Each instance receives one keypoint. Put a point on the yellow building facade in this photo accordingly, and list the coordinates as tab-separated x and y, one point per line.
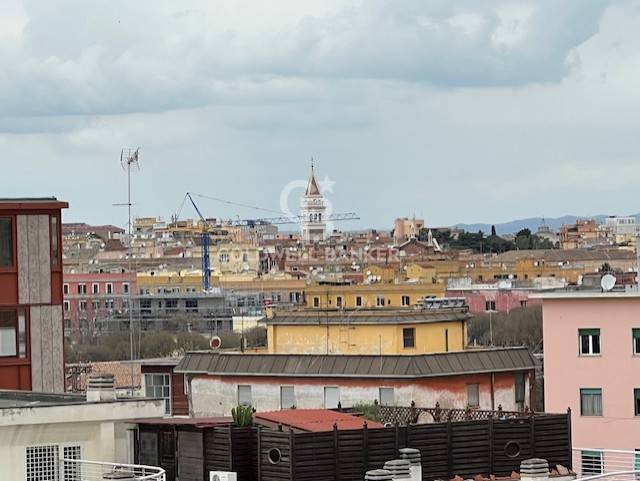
355	296
403	332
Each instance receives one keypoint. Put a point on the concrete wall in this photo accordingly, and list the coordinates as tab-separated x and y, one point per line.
216	396
364	339
99	429
616	371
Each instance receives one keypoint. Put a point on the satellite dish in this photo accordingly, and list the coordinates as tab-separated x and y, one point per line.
215	342
607	282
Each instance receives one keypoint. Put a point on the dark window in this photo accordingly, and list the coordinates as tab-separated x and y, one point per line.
523	303
519	387
55	246
589	342
358	301
490	305
406	301
191	305
591	402
636	342
171	304
82	289
446	340
339	301
409	337
636	398
6	243
316	302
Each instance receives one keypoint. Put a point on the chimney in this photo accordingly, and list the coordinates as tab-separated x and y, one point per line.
101	387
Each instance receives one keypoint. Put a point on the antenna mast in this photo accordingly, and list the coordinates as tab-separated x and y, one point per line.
129	160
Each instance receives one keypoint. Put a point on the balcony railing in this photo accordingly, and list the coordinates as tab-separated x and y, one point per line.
607	464
81	470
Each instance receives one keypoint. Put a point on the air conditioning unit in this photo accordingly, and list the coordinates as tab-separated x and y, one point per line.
222	476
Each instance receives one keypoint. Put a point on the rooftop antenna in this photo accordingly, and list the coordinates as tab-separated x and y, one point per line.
129	159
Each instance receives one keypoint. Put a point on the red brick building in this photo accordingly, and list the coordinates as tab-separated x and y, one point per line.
31	328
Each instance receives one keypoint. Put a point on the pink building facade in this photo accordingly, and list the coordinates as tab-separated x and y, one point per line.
496	300
87	297
592	365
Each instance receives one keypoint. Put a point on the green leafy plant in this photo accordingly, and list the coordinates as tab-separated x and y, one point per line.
242	416
370	412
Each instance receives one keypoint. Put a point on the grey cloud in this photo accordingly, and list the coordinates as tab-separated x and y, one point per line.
105	58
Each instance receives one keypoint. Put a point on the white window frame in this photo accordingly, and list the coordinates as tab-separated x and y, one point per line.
324	401
56	452
386	389
66	306
293	404
125	287
406	301
95	288
250	391
109	288
590	336
477	389
168	399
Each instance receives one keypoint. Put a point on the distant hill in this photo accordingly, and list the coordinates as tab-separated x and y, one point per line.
532	223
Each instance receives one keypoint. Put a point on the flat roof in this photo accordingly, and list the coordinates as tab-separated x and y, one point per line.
14	399
313	420
178	421
31	203
510	359
368	316
586	295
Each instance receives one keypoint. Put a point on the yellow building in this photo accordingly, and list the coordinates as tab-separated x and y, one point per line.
170	282
399	332
352	296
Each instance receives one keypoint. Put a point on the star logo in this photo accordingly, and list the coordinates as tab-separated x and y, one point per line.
327	184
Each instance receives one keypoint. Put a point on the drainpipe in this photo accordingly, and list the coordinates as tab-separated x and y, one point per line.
493	396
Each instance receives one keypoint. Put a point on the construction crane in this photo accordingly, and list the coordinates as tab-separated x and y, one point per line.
282	220
206	264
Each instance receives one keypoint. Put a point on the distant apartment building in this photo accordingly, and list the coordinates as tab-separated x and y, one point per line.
405	229
502	295
90	297
623	229
367	296
583	234
479	379
31	328
592	365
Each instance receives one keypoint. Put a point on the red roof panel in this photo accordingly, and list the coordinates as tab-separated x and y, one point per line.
314	420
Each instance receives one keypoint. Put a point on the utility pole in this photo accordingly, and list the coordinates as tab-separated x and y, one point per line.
129	160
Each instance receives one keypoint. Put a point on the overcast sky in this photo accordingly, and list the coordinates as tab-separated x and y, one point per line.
456	111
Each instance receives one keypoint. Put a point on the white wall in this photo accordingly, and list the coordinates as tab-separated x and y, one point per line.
98	428
214	397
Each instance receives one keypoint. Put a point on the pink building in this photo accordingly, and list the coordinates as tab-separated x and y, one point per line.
592	365
496	300
87	297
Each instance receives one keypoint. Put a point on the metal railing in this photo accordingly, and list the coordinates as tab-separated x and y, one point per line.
81	470
609	464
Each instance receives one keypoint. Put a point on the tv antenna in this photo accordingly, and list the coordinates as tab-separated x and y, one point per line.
129	159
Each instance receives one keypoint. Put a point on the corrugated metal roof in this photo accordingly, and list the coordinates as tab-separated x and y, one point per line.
312	365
